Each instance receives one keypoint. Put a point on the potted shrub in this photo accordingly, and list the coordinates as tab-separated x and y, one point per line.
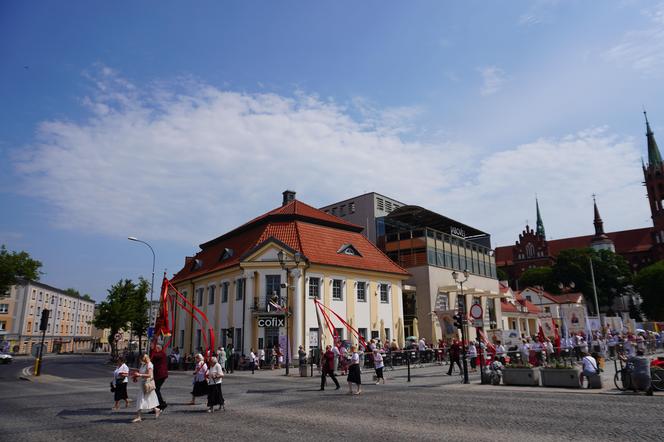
561	375
521	374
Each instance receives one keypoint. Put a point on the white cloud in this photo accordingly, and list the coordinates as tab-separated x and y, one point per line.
188	163
540	11
643	49
564	172
492	79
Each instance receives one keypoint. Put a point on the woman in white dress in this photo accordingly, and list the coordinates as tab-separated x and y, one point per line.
145	401
215	375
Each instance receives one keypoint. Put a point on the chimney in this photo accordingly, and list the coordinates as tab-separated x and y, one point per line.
289	195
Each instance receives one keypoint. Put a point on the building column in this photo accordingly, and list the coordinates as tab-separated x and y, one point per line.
296	323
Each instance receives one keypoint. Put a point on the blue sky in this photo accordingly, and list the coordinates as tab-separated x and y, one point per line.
175	123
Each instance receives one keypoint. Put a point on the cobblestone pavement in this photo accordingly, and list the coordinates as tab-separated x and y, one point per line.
72	402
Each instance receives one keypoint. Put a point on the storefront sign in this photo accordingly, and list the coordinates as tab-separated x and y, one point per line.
457	231
271	321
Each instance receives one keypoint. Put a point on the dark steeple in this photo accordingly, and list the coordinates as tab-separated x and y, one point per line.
540	224
654	157
599	225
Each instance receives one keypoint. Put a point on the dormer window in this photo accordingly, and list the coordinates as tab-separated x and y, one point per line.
197	264
227	253
348	249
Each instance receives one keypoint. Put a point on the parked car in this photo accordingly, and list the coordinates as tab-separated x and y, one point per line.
5	358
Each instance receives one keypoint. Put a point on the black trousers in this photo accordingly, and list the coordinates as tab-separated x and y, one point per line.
322	379
158	383
452	362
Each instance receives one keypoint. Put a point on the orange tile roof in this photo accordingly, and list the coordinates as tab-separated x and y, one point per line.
316	234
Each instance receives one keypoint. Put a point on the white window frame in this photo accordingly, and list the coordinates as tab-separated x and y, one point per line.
389	292
343	287
321	286
366	290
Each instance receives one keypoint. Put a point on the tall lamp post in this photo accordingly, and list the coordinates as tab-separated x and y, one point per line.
288	265
133	238
462	313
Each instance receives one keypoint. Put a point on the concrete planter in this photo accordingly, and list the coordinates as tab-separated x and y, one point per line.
521	376
561	377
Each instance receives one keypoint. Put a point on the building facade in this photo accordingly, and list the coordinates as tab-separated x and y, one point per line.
68	328
431	247
238	281
368	211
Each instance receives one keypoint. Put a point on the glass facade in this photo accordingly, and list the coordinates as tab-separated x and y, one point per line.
411	247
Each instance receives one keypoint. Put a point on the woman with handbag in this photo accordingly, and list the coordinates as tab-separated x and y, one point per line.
119	384
214	376
147	396
354	372
200	384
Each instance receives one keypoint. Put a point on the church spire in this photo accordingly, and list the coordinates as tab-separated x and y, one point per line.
540	224
599	225
654	157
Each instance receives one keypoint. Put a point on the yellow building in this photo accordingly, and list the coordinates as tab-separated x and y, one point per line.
68	328
235	276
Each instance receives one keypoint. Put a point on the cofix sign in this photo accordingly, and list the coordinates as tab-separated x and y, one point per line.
271	321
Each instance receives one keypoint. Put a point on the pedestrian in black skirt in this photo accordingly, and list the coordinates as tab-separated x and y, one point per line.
354	373
214	376
200	382
120	380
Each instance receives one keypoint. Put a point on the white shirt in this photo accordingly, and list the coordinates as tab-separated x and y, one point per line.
500	350
199	374
124	370
378	360
422	345
589	364
472	351
252	357
355	359
215	374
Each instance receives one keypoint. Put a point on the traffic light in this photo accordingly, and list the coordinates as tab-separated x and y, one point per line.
458	320
44	320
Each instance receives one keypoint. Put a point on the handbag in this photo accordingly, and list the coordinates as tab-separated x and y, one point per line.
112	387
149	386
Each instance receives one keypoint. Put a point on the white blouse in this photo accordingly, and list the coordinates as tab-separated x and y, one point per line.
215	374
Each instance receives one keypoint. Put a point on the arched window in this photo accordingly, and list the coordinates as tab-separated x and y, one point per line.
530	250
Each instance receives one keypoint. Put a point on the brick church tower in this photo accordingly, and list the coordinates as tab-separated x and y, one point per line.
653	173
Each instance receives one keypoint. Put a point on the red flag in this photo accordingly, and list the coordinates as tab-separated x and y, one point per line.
540	334
161	323
556	335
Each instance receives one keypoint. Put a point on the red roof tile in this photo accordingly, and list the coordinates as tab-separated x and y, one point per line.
315	234
625	241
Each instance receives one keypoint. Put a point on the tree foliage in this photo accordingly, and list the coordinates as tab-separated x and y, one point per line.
650	284
15	266
612	273
539	276
125	307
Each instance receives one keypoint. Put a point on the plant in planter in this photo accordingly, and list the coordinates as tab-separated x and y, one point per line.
521	374
560	374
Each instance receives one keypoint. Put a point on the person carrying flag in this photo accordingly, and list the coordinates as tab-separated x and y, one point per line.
327	365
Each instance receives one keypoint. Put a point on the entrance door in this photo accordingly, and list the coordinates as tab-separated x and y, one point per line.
271	337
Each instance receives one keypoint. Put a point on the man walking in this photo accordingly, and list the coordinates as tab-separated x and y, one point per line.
327	365
160	373
455	352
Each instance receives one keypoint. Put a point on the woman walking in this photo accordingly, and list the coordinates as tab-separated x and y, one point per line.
214	376
378	365
147	396
120	380
200	384
354	374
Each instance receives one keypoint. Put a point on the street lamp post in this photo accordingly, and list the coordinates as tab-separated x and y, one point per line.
133	238
285	265
462	313
592	276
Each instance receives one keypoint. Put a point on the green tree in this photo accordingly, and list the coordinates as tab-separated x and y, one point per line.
502	274
650	284
539	276
115	313
612	273
76	294
15	266
140	305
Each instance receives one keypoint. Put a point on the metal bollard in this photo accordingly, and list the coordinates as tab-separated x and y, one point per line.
408	362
